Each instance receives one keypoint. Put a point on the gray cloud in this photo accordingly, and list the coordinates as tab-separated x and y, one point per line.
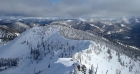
71	8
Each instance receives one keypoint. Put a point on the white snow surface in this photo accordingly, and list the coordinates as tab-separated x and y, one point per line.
125	20
61	55
137	20
123	25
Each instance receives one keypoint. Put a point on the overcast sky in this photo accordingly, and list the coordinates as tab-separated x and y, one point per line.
70	8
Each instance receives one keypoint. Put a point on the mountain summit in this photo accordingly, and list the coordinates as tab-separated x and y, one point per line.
57	49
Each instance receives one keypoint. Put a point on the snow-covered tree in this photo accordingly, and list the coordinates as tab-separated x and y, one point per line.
75	70
91	71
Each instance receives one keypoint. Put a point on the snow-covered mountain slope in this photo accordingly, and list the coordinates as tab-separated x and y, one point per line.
7	34
20	26
10	30
55	49
33	25
114	30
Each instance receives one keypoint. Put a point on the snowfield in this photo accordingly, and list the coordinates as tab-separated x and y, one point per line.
57	49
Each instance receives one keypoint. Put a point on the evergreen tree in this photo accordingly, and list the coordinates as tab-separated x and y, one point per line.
75	70
91	71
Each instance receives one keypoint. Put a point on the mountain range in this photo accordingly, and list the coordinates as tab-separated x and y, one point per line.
69	46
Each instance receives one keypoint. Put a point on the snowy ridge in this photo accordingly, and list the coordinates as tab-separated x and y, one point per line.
19	26
7	34
55	49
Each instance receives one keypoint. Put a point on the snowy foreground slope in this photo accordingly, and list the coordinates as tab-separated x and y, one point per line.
62	50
